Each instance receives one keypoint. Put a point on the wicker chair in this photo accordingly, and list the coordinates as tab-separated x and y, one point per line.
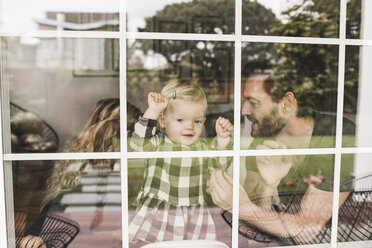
29	180
56	231
354	222
49	137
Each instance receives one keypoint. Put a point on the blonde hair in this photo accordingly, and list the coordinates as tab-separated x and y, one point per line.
184	90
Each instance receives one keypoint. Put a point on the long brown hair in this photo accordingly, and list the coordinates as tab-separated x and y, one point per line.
98	135
106	114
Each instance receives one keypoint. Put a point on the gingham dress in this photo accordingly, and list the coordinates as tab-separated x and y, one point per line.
171	201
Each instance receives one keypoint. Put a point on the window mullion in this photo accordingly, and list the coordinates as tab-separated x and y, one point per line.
237	93
340	108
6	190
123	124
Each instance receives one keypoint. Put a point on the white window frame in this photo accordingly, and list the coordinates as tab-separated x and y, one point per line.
236	153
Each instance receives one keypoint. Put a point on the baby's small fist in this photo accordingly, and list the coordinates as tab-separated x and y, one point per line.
156	97
224	128
157	101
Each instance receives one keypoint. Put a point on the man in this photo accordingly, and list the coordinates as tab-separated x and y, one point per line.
282	120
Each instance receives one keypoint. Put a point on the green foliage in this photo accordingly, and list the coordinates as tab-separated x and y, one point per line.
210	16
310	71
257	20
311	18
199	16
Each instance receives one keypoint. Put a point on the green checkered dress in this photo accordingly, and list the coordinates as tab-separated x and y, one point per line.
171	200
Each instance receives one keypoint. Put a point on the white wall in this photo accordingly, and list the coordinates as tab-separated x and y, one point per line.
364	114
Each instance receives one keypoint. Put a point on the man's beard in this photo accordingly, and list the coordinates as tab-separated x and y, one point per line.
269	126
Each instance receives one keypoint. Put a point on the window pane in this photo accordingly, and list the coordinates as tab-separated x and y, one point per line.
69	15
170	199
178	66
289	95
307	18
288	199
354	221
357	98
55	90
181	16
354	18
67	201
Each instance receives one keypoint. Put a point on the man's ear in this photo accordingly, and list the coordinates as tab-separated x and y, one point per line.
162	121
288	103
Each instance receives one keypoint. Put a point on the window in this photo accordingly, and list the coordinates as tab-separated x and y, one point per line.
75	80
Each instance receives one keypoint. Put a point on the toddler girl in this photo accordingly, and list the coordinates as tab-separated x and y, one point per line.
171	204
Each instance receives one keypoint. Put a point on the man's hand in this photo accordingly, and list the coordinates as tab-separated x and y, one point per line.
157	103
224	129
221	186
273	168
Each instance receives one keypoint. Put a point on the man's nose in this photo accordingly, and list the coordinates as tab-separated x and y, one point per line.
246	110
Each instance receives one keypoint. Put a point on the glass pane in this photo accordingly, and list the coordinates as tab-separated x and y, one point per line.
287	200
196	79
354	221
308	18
57	202
170	199
357	109
289	95
181	16
354	18
81	15
59	91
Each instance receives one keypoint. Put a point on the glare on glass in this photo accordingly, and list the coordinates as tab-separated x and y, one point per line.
356	97
81	15
181	16
59	91
293	18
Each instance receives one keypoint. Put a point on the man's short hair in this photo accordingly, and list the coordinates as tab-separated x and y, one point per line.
303	94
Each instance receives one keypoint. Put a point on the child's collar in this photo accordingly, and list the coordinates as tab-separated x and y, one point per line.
168	141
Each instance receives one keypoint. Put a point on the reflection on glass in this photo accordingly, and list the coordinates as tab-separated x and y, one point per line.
60	89
192	86
354	221
58	202
287	200
357	97
81	15
351	96
171	199
289	95
308	18
182	16
354	18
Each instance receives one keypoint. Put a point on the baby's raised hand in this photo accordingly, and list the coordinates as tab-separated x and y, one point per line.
157	103
224	128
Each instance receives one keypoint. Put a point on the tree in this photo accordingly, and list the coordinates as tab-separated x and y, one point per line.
214	59
311	70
